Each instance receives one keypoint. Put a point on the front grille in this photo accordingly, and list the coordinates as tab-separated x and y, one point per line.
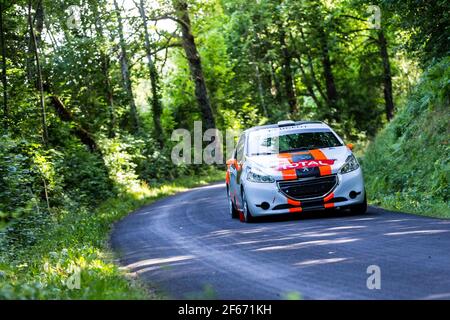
308	188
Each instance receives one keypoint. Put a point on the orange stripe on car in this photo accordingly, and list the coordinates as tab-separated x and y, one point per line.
319	155
294	203
289	174
328	197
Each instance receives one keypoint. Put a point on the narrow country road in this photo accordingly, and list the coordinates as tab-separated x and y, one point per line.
187	246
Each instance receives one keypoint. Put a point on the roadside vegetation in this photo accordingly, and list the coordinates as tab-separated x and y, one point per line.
407	166
92	91
65	254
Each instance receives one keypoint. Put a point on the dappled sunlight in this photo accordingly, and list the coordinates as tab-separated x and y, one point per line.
364	219
251	231
317	234
305	244
396	220
221	232
258	241
345	228
416	232
157	261
212	186
437	296
320	261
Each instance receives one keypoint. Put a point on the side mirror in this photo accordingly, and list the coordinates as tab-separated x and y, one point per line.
350	146
231	162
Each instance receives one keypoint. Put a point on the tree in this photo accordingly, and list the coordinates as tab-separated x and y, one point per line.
428	23
387	77
105	67
40	86
286	63
125	66
195	63
3	76
154	78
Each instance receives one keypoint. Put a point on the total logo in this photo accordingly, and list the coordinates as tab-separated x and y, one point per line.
304	164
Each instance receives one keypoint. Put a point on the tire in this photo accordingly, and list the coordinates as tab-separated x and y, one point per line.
360	208
231	207
245	215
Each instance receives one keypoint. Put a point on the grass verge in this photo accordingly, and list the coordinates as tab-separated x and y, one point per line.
50	256
407	167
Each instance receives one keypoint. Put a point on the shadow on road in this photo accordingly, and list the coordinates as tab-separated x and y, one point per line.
321	214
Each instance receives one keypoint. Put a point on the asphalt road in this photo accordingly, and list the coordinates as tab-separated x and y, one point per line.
187	246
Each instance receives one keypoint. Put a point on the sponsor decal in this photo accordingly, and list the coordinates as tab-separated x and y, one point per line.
318	154
305	164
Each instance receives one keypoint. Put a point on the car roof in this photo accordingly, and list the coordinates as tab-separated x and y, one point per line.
291	125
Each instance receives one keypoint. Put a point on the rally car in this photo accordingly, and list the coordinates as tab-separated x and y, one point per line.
292	167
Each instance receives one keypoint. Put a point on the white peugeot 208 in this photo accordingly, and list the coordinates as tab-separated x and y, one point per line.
292	167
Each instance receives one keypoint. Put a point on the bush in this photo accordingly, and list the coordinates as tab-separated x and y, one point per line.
407	167
39	265
25	173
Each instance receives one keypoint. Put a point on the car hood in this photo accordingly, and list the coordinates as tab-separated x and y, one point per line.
286	166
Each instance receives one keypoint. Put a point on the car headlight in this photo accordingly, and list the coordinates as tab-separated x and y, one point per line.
351	164
259	177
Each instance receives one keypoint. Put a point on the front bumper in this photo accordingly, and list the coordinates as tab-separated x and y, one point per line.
267	199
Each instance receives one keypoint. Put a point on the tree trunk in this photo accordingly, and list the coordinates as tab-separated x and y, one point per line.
308	84
39	75
39	22
105	66
287	70
276	84
260	90
4	79
195	64
154	80
109	94
65	115
387	77
124	63
331	91
315	81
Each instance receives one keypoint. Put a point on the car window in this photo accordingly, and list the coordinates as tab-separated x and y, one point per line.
260	143
240	149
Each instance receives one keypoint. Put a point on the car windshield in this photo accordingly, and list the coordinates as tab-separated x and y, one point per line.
262	142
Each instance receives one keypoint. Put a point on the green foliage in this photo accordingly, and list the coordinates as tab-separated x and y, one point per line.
84	175
24	172
407	167
38	252
428	22
58	198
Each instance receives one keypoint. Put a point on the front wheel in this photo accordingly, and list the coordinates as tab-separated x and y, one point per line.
231	208
245	215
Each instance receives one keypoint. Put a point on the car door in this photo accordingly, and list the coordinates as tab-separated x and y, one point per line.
232	175
240	155
234	171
